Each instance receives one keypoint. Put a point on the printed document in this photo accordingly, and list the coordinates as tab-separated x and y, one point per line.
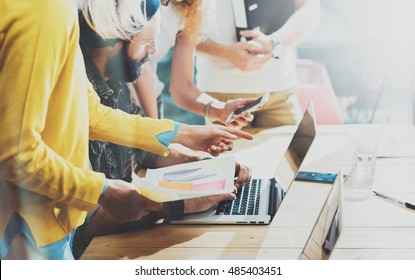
188	180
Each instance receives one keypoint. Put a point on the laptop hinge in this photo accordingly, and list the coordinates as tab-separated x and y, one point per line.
272	201
275	198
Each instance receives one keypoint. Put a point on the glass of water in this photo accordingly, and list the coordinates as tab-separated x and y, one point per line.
360	181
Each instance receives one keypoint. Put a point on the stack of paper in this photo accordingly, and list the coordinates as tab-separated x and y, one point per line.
188	180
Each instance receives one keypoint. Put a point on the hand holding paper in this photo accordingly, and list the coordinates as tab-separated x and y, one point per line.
188	180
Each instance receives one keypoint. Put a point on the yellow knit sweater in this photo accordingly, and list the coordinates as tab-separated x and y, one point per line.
48	112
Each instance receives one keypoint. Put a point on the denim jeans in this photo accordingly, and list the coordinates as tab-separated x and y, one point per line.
60	250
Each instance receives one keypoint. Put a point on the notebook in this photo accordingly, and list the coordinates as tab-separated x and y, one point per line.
267	15
328	226
258	200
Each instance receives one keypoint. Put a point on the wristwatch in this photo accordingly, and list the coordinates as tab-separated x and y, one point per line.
277	46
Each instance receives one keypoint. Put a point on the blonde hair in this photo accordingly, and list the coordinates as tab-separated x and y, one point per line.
114	18
191	14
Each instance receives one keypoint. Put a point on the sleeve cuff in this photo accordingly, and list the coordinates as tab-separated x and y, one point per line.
165	138
104	188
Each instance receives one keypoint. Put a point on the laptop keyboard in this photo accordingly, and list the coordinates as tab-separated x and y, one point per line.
246	202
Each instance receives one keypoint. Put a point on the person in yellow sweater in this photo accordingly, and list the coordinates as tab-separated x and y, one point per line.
48	113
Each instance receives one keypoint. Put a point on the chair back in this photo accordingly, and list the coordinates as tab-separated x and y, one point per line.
315	86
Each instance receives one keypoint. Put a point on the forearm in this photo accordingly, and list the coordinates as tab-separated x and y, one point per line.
197	102
185	93
185	134
135	131
149	105
213	48
182	86
144	89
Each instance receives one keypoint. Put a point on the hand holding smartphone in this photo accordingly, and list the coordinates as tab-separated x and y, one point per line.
251	107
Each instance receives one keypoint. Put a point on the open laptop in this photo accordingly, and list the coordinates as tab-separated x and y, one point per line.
265	195
328	226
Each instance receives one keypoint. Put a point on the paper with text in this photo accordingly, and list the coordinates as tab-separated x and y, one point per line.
188	180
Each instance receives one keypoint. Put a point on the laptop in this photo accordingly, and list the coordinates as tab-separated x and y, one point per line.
259	199
328	226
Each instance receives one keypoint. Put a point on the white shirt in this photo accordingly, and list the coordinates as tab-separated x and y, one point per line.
215	75
171	24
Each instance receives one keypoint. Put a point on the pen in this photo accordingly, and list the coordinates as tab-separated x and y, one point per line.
406	204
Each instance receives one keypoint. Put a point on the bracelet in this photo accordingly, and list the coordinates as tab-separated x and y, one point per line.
207	108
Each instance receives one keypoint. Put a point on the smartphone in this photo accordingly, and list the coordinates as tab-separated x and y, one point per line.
317	177
249	107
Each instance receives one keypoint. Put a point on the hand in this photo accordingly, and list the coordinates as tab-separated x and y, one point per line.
214	139
238	121
264	42
243	173
241	120
200	204
247	56
124	203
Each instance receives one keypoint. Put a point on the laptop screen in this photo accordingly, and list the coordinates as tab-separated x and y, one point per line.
297	149
327	229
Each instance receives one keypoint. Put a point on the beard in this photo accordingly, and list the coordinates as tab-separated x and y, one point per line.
124	69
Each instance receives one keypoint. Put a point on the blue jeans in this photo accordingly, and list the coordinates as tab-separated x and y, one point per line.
60	250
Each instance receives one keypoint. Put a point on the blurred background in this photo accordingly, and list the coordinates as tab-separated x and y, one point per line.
367	47
362	54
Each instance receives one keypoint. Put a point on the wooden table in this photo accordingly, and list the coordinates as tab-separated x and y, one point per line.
373	228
